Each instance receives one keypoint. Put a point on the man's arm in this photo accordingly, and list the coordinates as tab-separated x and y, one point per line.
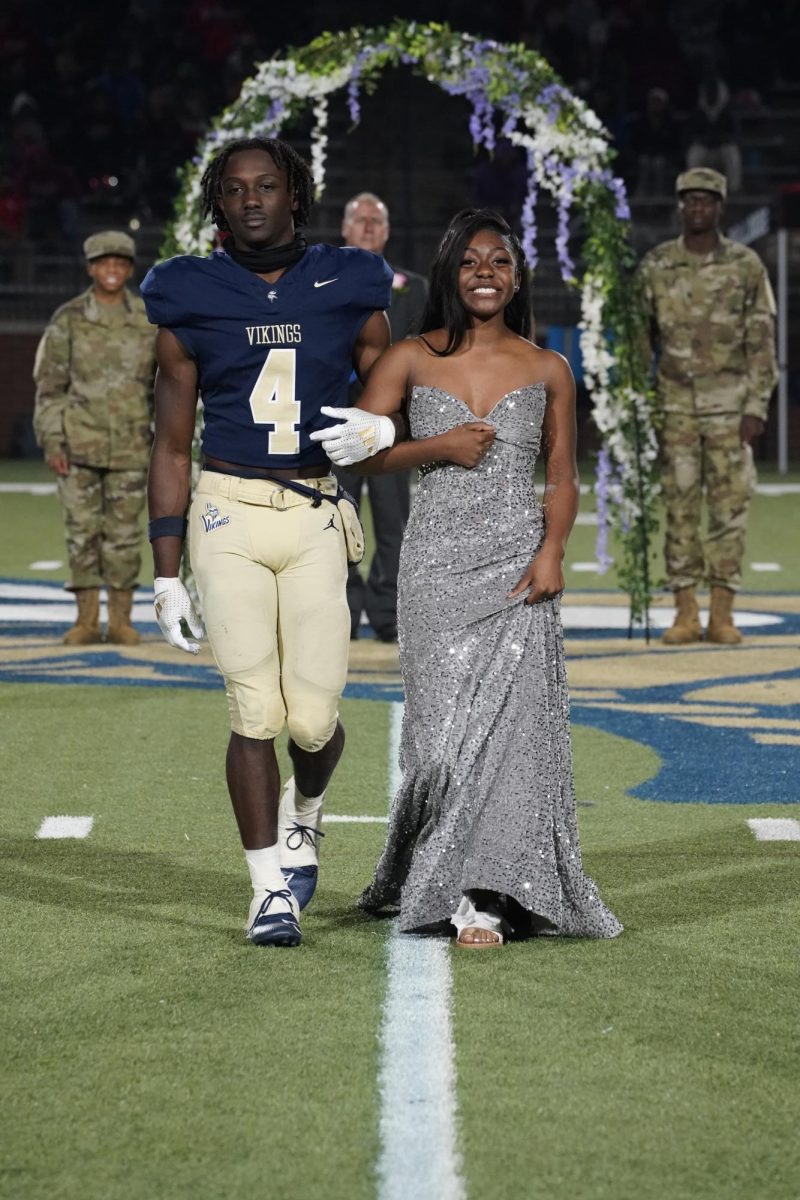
373	338
544	577
169	481
51	375
384	398
759	344
357	436
168	487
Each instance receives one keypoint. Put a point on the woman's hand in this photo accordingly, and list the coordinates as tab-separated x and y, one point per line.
543	579
466	444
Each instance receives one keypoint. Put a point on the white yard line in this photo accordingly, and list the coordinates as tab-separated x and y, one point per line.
30	489
395	731
765	566
418	1156
777	489
775	829
417	1079
762	489
355	820
65	827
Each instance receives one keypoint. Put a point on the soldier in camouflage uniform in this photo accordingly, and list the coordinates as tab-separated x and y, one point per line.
711	315
94	375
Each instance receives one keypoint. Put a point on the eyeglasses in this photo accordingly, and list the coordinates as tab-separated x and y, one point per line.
699	199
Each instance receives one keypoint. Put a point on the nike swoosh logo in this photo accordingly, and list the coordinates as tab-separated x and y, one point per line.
324	282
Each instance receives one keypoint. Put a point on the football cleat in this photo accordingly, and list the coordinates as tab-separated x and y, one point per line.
274	922
302	883
299	847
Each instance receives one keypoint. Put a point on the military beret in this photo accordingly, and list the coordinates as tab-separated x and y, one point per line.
110	242
702	179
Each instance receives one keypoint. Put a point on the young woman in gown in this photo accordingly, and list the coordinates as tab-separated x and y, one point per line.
482	833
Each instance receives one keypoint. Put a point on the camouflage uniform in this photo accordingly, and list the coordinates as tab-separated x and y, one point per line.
712	320
94	374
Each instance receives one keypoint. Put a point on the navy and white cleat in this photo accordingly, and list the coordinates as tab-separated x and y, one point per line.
274	921
302	880
302	883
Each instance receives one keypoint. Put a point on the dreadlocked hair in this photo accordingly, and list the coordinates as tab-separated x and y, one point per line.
299	179
444	309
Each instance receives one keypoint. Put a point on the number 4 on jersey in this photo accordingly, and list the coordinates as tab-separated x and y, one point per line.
272	402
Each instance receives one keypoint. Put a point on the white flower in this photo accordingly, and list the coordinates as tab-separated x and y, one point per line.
319	144
566	142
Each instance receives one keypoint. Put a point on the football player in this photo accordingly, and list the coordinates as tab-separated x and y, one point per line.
267	329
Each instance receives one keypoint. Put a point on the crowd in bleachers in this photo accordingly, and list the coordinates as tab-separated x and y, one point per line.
100	105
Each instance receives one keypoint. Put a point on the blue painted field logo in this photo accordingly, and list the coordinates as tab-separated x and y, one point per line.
211	518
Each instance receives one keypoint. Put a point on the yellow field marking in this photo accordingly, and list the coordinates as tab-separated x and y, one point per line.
747	723
758	691
588	694
151	651
676	709
754	601
367	654
777	739
632	669
601	671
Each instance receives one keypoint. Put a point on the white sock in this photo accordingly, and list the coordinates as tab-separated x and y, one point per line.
298	849
305	808
265	869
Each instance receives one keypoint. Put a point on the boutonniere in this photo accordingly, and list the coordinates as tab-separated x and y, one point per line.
400	282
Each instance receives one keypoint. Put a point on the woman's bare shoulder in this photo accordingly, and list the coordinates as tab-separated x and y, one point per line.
408	351
549	366
432	342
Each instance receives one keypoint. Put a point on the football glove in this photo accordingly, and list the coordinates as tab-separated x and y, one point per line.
173	604
360	435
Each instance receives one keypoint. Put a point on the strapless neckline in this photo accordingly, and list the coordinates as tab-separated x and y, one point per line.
432	387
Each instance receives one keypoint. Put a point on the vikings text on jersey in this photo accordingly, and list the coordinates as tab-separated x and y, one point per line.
268	355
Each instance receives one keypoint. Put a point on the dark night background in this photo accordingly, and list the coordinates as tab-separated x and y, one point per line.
101	103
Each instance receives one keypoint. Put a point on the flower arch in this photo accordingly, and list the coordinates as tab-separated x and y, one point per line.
512	90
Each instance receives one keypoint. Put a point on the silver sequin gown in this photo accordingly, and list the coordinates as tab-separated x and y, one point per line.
487	798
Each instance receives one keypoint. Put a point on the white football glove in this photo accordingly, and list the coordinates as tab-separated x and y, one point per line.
174	604
360	435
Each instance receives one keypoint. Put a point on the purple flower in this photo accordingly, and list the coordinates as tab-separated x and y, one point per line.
274	117
353	106
562	236
354	86
621	207
553	98
481	121
512	116
528	217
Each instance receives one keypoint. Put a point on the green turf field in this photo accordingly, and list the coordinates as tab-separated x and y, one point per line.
33	531
150	1053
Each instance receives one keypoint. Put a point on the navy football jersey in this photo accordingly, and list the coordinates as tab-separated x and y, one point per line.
269	355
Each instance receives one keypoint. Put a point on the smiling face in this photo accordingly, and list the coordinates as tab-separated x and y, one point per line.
256	201
110	274
488	275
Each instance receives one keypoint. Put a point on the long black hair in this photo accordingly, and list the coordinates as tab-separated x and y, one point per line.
299	179
444	309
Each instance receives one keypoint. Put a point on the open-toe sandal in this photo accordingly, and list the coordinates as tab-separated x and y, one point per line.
467	918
